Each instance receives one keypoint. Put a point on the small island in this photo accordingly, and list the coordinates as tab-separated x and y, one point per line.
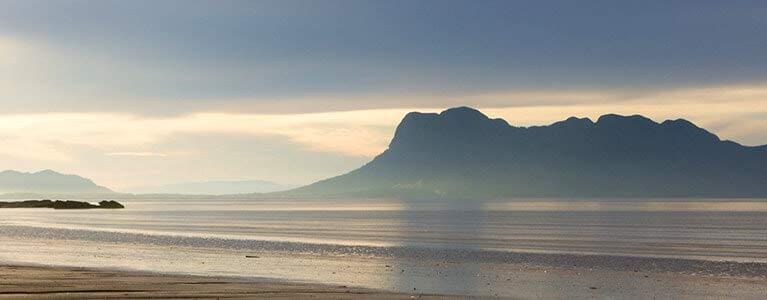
59	204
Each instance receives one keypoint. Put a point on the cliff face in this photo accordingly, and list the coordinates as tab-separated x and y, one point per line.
461	153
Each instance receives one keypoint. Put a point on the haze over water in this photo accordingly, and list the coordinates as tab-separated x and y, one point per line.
353	241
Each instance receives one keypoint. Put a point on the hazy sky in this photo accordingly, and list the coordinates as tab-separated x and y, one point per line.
131	93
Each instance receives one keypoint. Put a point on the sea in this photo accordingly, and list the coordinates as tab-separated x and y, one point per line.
431	247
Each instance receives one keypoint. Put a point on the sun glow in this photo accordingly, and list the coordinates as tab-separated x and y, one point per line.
61	138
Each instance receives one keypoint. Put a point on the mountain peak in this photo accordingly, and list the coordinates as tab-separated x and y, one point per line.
613	119
462	153
679	123
574	122
457	125
46	181
463	113
48	172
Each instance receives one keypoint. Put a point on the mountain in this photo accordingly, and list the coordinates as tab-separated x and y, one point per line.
47	181
461	153
215	188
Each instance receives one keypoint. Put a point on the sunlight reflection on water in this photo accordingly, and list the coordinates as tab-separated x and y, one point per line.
300	240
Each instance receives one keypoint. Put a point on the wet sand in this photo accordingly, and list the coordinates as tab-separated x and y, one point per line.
311	252
78	283
528	283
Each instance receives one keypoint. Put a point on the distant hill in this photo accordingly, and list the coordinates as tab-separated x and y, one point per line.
47	182
461	153
215	188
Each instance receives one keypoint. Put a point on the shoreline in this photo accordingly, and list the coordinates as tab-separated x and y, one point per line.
385	252
54	282
40	281
309	275
695	261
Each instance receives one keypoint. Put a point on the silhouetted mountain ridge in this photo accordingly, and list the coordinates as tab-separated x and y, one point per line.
462	153
47	181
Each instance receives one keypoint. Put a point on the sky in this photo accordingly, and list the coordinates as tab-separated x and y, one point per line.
137	93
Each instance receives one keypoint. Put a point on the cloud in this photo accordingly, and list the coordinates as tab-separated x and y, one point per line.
95	86
730	111
10	51
137	154
124	149
264	57
357	133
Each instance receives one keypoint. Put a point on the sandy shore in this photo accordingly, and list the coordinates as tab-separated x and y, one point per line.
34	282
25	282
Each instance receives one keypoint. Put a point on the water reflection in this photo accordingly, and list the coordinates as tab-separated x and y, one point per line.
433	247
712	205
455	225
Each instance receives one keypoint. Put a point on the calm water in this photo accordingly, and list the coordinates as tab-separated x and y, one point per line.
349	242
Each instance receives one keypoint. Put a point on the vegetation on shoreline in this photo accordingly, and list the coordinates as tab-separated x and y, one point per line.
59	204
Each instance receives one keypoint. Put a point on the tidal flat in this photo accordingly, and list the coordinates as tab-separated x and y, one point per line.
514	249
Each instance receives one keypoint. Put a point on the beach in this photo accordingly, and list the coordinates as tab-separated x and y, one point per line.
345	149
80	283
547	250
40	282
